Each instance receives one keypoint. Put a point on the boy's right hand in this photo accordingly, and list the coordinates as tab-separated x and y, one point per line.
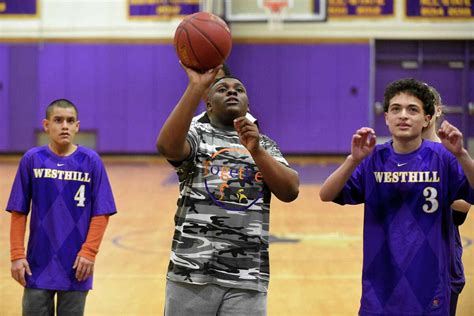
18	269
363	142
205	78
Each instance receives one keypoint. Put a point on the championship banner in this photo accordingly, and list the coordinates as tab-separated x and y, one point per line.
360	8
19	8
445	9
161	9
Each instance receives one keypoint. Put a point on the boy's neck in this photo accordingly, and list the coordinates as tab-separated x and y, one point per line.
406	146
430	133
221	125
62	151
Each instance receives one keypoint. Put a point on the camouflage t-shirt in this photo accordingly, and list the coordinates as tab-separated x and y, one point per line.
221	232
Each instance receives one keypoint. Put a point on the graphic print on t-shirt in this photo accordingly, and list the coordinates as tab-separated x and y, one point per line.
232	186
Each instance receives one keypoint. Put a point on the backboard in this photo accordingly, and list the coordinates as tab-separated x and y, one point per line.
254	11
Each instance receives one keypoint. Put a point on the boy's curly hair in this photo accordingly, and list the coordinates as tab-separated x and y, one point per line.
413	87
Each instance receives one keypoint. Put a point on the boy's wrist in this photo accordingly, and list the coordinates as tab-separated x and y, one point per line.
353	160
257	151
463	154
88	253
17	257
197	86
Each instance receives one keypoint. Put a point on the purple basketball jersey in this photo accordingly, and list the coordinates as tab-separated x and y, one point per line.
457	271
64	193
407	228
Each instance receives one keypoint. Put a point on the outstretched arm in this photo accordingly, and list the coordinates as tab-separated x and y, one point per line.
171	141
363	143
282	181
452	139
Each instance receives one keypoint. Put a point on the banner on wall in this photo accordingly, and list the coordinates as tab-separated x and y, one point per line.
16	8
360	8
161	9
445	9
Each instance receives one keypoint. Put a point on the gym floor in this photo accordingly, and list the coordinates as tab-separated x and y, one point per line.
316	247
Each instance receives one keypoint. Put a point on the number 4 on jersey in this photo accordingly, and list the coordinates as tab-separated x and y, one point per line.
80	196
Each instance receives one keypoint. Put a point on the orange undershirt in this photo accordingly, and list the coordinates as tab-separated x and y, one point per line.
89	249
96	231
17	236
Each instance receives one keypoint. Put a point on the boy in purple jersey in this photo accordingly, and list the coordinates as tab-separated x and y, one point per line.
460	209
408	185
228	171
67	188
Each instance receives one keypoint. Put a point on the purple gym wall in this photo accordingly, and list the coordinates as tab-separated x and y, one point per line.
4	104
469	86
123	92
310	98
18	96
446	65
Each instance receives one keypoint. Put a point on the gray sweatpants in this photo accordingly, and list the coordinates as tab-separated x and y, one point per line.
38	302
205	300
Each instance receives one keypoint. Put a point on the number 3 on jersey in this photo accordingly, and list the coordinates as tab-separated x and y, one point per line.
430	195
80	196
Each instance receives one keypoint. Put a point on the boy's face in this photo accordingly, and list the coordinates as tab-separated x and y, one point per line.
227	101
405	117
61	126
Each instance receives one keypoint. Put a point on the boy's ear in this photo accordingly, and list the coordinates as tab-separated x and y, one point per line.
427	120
45	125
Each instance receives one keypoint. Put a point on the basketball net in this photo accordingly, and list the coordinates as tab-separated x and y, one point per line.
276	12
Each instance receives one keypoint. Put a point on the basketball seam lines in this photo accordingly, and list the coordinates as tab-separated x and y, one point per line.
191	47
207	36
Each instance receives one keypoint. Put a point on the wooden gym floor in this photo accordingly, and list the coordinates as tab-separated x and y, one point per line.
316	251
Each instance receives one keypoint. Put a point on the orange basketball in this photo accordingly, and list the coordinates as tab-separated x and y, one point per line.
202	41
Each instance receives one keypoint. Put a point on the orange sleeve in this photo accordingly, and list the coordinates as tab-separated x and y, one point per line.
96	231
17	236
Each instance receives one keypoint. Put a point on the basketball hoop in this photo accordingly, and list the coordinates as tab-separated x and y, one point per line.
276	12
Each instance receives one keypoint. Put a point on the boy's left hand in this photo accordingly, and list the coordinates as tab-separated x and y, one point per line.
451	138
84	268
248	133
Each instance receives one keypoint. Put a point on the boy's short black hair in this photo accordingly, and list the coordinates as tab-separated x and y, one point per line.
413	87
224	77
61	103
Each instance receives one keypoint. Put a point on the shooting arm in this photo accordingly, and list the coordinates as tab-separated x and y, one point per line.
171	142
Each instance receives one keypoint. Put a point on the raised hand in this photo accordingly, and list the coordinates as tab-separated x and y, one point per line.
363	142
248	133
451	138
204	78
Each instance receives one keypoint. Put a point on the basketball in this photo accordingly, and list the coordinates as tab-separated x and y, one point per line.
202	41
